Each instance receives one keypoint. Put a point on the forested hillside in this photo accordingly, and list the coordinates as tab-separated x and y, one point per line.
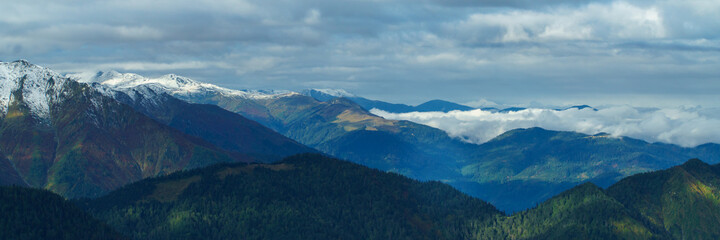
27	213
303	197
311	196
682	202
583	212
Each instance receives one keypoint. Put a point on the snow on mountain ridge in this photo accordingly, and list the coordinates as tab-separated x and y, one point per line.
173	85
39	87
333	92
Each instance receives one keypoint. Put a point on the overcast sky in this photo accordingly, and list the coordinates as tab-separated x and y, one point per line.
644	53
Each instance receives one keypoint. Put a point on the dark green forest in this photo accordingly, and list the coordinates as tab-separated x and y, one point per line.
583	212
303	197
682	202
310	196
40	214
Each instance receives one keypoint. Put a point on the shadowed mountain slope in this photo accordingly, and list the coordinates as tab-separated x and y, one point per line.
224	129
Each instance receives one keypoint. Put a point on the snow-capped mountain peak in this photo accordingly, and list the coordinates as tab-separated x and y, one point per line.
37	86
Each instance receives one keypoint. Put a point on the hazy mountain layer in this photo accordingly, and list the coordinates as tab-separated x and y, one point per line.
325	95
536	164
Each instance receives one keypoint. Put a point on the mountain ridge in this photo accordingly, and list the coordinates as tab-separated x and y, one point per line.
173	84
225	129
435	105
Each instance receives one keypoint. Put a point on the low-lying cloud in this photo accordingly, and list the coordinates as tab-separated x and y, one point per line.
686	127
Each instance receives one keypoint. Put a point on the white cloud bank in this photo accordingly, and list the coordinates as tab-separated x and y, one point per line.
686	127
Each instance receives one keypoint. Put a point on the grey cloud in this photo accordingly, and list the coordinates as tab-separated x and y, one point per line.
512	3
702	45
402	51
618	20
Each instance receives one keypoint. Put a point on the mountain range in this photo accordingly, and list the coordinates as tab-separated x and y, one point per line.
514	171
338	127
78	140
57	133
